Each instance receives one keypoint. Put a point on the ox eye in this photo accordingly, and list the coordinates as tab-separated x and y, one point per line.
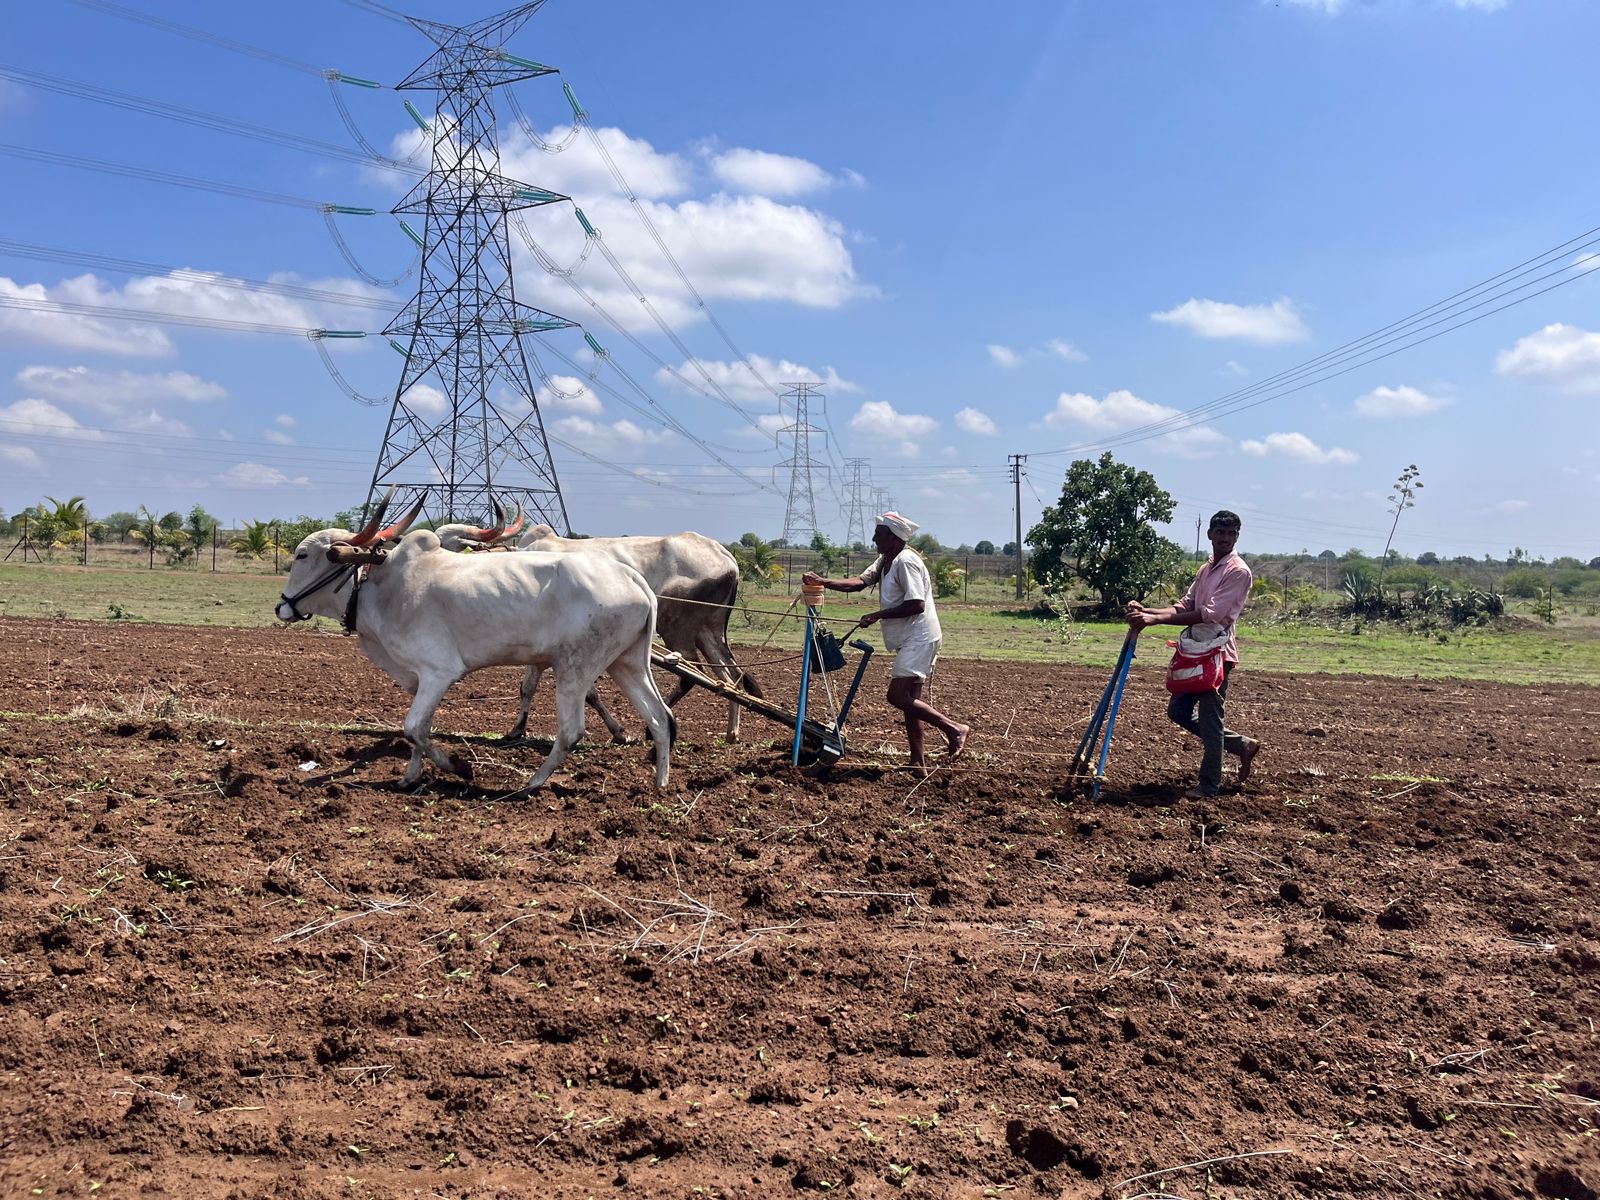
299	556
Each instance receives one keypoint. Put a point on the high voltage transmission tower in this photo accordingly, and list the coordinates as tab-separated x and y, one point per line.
857	501
800	514
463	331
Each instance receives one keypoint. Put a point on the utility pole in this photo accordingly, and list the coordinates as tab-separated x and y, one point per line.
1197	537
1016	461
463	331
800	514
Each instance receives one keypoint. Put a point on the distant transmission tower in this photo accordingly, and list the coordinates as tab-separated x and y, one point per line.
882	501
462	334
857	501
800	515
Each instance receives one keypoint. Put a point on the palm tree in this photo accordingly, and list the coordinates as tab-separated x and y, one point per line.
154	531
757	562
70	517
255	540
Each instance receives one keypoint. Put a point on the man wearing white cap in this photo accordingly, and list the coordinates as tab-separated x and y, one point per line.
910	629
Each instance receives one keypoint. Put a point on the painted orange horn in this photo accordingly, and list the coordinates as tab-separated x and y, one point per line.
516	526
399	527
493	531
371	527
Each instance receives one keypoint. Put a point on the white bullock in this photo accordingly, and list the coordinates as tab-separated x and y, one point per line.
427	617
697	581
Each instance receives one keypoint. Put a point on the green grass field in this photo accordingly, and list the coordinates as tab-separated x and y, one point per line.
998	629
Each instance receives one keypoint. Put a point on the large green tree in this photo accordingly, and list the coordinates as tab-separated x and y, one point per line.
1101	531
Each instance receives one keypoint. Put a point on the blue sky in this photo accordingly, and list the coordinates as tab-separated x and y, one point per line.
1022	231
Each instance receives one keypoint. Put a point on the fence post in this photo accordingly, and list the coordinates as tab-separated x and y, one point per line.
86	541
277	535
216	528
966	576
788	572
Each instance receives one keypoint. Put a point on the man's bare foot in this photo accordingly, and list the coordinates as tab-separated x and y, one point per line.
1247	759
1199	793
958	740
921	770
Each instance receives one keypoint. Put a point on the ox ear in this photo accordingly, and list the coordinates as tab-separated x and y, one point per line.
393	532
350	554
371	527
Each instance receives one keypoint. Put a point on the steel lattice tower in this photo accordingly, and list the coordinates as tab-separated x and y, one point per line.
882	501
857	493
800	515
463	332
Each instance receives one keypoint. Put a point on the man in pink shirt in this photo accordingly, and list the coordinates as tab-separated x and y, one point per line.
1215	599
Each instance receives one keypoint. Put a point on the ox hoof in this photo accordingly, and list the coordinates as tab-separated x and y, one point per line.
461	767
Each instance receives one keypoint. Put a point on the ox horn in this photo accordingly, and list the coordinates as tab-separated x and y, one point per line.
492	532
516	526
371	527
400	526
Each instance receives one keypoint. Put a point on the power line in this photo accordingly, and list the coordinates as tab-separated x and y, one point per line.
1363	350
194	117
154	176
128	266
199	35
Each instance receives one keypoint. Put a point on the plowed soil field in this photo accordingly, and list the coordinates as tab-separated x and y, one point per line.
236	960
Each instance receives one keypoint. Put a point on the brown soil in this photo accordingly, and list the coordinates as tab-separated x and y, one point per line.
235	960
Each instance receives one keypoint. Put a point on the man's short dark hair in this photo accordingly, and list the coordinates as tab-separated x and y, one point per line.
1223	519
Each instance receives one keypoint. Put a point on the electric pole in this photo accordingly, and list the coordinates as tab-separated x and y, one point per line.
462	332
1016	461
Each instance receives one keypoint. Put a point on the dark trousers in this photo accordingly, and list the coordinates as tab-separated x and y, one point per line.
1201	714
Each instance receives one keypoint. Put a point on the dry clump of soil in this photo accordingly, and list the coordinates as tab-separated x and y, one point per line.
236	960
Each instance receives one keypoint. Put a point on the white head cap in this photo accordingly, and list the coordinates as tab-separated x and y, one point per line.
898	525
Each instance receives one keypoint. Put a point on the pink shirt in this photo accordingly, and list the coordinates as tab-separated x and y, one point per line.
1218	594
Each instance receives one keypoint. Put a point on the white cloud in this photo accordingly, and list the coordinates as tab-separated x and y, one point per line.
426	399
277	437
766	174
1122	410
1004	356
598	437
152	421
1403	401
71	331
1508	506
20	457
734	247
115	391
284	421
1233	368
1266	324
1065	349
255	475
40	418
1298	447
568	394
1559	354
187	293
739	379
970	420
1119	410
879	419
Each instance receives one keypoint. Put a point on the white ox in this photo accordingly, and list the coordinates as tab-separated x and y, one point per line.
695	577
427	617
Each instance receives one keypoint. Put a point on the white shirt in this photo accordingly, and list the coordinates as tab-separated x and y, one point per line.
906	579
